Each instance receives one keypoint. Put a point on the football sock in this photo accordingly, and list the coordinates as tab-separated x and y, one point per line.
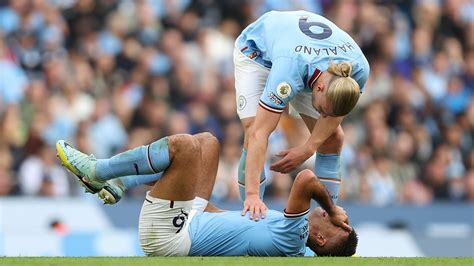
328	168
131	181
241	177
143	160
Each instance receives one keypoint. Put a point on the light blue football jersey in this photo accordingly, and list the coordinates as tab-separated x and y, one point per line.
297	46
231	234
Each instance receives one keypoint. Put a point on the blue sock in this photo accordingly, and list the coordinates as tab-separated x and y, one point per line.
328	168
131	181
143	160
241	175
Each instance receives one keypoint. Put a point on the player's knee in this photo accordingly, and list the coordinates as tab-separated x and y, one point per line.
184	144
192	145
305	176
212	141
208	140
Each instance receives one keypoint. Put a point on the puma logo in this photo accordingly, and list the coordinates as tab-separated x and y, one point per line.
136	168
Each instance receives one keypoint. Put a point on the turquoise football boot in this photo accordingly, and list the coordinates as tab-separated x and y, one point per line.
81	165
112	191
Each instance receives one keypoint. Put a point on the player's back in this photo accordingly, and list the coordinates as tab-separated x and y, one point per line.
310	40
304	33
230	234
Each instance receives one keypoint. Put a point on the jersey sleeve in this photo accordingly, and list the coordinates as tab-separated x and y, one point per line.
283	84
291	233
362	73
309	253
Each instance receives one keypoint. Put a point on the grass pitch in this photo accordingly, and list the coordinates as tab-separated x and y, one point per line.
231	261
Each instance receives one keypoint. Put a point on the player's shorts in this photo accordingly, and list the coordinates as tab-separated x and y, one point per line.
250	80
163	227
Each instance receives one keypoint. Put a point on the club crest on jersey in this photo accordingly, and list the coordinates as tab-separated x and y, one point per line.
241	103
283	90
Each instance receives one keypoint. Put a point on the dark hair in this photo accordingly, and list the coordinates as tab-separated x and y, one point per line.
344	248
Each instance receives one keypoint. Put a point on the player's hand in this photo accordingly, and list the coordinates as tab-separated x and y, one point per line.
255	206
339	218
291	159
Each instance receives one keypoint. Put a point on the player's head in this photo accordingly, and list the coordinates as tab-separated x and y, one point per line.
326	239
336	93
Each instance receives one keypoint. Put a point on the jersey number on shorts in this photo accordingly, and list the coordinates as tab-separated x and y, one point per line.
305	28
180	220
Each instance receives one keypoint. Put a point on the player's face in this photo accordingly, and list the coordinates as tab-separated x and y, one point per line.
323	225
320	101
322	105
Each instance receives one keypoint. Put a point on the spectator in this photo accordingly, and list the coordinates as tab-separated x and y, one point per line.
7	183
226	181
403	169
381	182
40	174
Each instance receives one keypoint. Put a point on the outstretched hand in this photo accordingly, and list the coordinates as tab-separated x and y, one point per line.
291	159
255	206
339	218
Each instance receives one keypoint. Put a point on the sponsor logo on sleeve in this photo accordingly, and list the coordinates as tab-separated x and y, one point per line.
275	99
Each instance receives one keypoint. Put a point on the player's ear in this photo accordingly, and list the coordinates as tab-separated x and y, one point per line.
319	86
320	240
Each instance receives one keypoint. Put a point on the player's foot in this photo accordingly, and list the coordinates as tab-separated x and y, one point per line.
112	191
81	165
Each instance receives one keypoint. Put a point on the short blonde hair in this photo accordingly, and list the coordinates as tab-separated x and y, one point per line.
343	91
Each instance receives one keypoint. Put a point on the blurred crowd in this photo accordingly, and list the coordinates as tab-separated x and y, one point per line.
110	75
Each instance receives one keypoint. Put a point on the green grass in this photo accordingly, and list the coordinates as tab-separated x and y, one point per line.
230	261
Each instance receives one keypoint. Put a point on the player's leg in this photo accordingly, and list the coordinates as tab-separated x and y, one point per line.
209	162
115	188
93	173
131	181
165	211
194	162
207	171
209	157
327	164
179	181
250	79
328	159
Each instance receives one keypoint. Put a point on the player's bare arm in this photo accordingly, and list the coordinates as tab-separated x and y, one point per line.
258	142
294	157
306	187
325	126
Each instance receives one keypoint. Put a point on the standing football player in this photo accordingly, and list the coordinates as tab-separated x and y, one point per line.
305	61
